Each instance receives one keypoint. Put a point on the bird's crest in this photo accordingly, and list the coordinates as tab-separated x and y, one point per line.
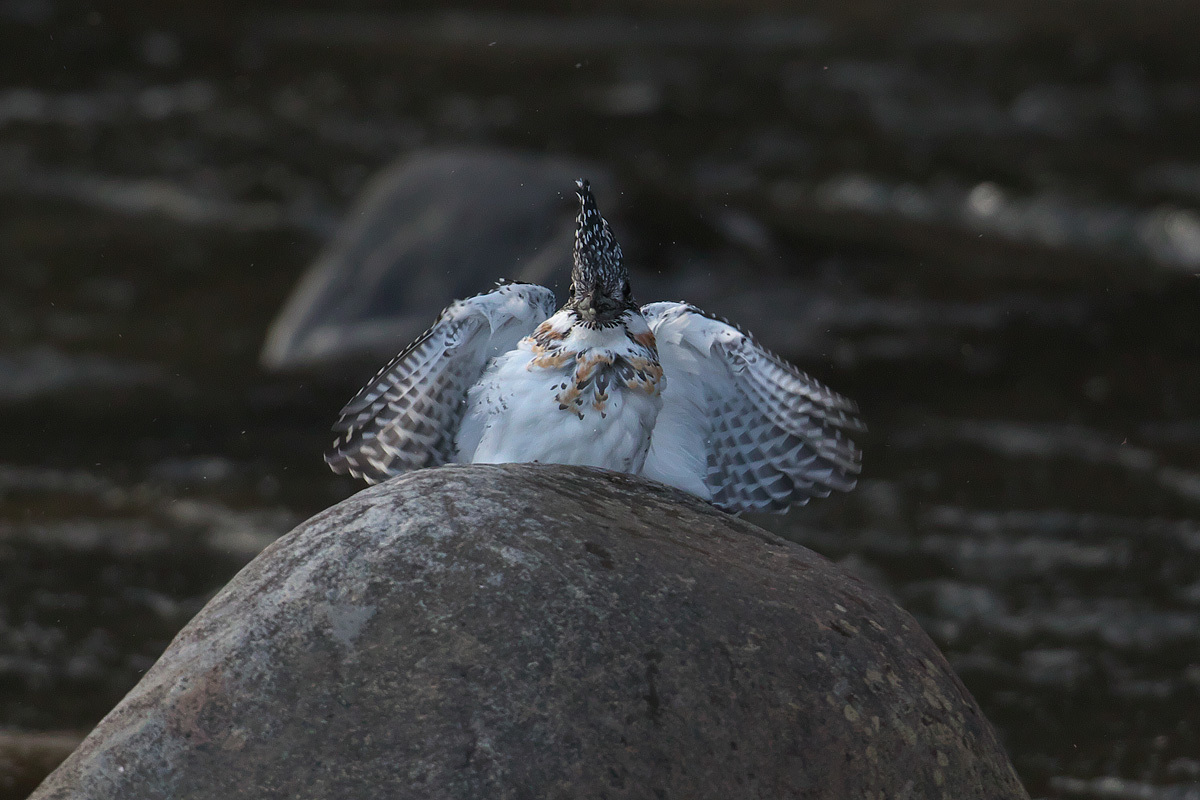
598	258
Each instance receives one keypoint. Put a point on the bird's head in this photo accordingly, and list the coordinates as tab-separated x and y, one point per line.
600	290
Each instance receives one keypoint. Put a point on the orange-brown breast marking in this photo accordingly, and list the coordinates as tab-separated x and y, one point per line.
645	339
652	368
647	376
545	360
548	331
568	396
571	405
588	367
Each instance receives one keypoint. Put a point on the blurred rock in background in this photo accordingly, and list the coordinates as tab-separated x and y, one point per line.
435	227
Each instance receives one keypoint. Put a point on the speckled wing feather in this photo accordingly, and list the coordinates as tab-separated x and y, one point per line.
740	425
407	417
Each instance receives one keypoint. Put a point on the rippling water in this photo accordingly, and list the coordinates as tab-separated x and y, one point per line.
986	231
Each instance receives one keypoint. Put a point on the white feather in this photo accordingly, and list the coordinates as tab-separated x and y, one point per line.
728	421
740	426
513	414
406	417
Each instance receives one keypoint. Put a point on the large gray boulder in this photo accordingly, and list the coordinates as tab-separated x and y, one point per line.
530	631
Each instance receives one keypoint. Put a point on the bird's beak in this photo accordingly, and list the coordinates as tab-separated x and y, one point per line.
587	306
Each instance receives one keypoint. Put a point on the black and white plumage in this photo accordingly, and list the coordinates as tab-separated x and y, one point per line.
665	391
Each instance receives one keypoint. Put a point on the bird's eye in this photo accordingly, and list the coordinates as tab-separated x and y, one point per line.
571	291
626	290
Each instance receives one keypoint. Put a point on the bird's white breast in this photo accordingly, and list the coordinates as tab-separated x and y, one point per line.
567	395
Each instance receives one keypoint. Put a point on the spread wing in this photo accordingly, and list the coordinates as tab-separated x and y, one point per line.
407	417
739	425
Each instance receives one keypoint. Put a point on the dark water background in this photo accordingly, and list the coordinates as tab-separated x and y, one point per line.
993	218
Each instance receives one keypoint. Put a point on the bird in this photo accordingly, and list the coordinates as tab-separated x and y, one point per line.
665	391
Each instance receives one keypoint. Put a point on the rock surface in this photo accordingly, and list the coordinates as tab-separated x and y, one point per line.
537	631
431	228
